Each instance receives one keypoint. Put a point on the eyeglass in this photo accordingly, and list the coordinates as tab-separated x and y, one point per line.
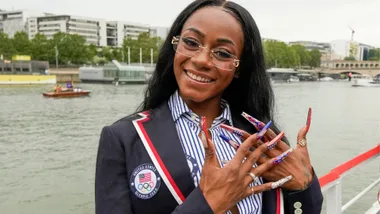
220	57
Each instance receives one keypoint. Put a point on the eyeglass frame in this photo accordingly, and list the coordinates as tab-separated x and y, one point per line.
176	40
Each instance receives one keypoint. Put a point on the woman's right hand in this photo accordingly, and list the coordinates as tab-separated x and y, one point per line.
225	187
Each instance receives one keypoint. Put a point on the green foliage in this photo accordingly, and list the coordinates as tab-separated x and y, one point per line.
349	58
146	43
278	54
374	54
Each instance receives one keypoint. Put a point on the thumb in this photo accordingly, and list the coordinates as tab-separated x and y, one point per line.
210	152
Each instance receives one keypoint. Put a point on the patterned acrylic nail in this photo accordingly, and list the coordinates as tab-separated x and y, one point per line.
308	120
281	182
264	130
282	157
255	122
204	132
229	141
274	141
235	131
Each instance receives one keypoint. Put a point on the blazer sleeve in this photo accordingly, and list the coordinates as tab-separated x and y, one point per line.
112	192
111	186
308	201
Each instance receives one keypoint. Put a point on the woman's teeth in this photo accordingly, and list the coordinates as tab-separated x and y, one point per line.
198	78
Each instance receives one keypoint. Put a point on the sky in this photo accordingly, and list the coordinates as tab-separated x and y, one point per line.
286	20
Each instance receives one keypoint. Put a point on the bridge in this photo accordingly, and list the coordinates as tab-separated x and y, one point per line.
371	68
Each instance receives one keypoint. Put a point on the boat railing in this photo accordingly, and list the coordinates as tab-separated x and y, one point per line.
331	182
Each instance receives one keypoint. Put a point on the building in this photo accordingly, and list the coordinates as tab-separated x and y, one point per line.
118	30
341	49
15	21
161	32
322	47
93	30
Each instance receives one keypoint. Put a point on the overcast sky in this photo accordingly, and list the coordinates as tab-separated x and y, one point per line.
286	20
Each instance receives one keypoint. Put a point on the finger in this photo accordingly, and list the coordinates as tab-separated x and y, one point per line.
274	148
301	137
259	170
253	157
267	186
238	132
244	149
210	152
270	133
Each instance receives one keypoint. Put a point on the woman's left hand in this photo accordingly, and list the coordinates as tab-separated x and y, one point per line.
296	164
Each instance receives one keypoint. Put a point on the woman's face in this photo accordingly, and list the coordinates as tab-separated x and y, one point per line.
203	74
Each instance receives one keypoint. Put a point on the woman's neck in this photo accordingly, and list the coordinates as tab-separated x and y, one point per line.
210	109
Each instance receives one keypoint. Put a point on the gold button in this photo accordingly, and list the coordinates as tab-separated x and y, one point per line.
297	211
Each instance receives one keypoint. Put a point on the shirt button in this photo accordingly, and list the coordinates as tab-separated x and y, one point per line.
297	205
297	211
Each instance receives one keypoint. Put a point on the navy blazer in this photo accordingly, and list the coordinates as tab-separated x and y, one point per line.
146	148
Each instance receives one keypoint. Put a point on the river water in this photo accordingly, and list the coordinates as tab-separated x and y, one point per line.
48	146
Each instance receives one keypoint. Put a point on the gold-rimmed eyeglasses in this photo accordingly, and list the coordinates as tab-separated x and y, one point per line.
220	57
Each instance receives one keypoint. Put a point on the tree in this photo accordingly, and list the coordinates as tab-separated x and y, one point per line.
40	48
315	59
21	43
6	46
374	54
349	58
303	54
146	43
278	54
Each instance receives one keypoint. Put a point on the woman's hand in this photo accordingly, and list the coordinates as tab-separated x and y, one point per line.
225	187
297	164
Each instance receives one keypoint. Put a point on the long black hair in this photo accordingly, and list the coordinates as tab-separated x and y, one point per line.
251	92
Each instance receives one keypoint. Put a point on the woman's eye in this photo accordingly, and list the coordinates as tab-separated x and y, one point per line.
190	42
223	54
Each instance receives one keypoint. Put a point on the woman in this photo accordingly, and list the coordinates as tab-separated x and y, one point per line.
168	158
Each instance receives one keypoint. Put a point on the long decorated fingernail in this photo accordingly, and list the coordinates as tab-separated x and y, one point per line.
274	141
281	182
204	132
236	131
255	122
308	120
229	141
263	130
281	157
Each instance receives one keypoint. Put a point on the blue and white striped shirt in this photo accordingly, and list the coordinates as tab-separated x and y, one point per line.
188	128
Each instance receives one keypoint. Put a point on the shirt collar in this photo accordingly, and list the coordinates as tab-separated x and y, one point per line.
179	109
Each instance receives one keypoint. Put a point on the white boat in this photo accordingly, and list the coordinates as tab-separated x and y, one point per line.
326	79
293	79
364	81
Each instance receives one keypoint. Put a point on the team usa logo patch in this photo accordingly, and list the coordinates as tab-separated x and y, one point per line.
145	181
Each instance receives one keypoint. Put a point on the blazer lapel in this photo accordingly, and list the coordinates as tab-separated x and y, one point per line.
161	131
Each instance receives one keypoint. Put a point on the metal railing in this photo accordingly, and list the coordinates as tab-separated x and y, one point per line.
331	182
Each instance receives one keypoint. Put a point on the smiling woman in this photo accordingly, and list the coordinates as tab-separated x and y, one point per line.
193	146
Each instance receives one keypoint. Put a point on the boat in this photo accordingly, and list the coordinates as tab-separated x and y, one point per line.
67	92
326	79
293	79
363	80
331	184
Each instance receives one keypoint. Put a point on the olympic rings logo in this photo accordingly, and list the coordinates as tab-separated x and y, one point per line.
146	187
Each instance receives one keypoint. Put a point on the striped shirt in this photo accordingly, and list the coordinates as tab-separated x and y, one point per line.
188	128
